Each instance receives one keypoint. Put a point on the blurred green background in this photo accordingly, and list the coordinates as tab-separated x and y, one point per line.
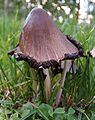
57	8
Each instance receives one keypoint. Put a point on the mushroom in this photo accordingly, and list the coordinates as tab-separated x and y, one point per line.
43	45
92	52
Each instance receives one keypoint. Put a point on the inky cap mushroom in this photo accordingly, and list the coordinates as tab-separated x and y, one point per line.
41	43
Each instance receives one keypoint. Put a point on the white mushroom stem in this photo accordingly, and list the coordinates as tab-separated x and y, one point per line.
47	84
34	84
63	75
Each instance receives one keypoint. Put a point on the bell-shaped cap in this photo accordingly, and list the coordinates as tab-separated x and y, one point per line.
42	43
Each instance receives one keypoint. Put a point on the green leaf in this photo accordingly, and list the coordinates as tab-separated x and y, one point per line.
59	114
71	117
71	111
59	111
28	116
45	111
25	112
50	113
27	106
70	114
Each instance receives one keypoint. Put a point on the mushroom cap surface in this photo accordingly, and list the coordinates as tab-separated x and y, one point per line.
41	43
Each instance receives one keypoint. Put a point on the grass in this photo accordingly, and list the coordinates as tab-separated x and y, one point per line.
16	78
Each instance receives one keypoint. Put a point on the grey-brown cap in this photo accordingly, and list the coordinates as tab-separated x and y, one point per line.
41	43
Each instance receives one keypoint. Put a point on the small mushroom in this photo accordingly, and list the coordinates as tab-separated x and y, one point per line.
92	52
43	45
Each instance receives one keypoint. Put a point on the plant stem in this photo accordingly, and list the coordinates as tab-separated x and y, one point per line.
47	85
41	84
59	93
34	83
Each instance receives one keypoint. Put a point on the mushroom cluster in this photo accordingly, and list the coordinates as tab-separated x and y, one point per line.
43	45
